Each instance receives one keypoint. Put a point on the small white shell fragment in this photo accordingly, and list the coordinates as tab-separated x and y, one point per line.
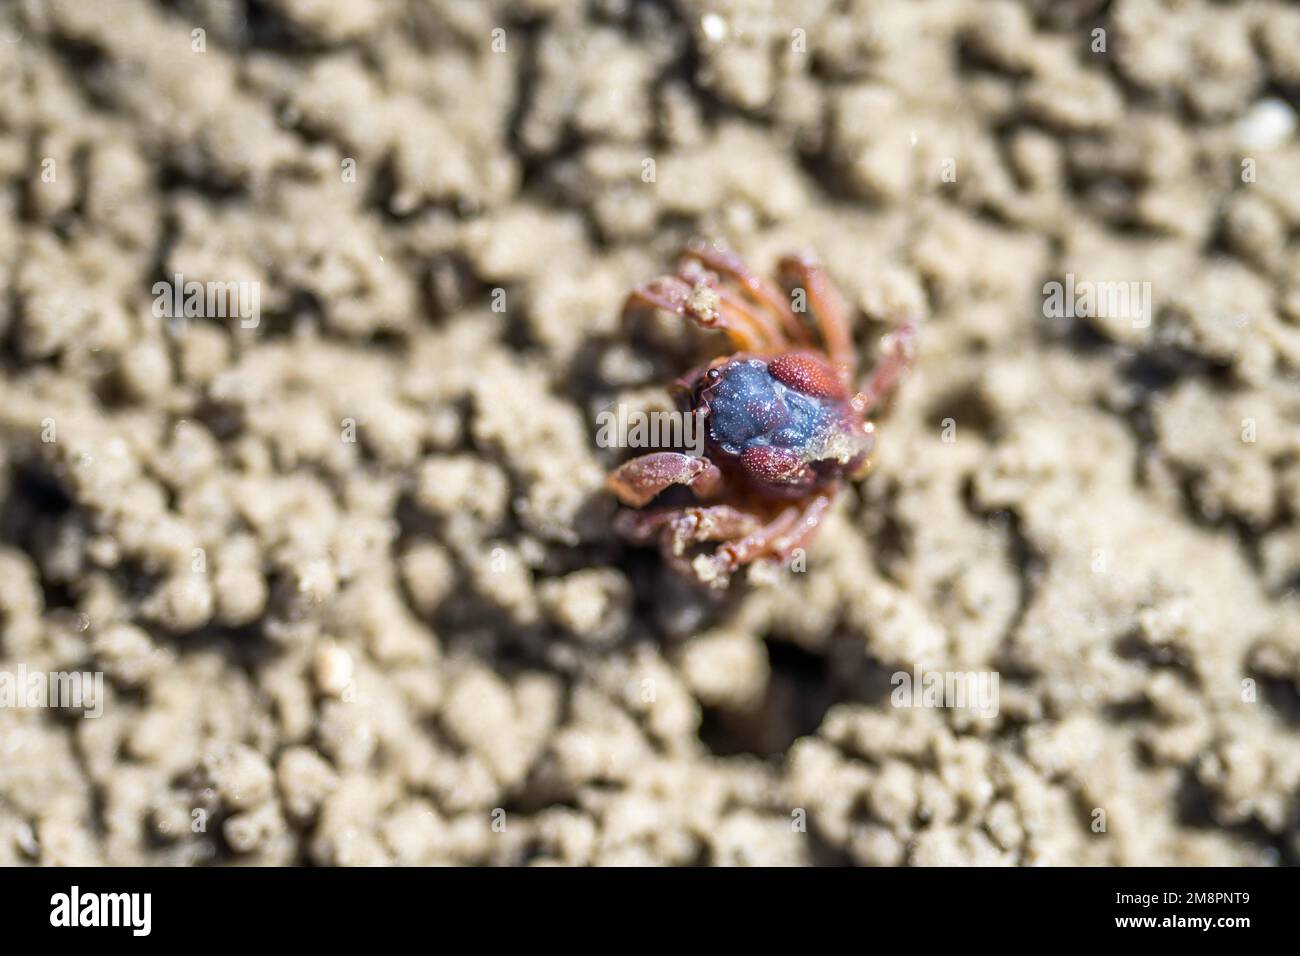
1267	125
26	839
714	27
332	669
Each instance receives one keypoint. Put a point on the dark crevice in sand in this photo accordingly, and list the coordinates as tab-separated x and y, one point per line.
1281	695
173	177
803	686
1022	557
1195	807
964	402
265	31
1133	646
1087	157
35	508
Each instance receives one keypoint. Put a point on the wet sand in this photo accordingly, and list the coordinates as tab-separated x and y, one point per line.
343	557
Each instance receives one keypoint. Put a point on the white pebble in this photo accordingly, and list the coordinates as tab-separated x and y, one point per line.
25	837
714	27
1267	125
333	669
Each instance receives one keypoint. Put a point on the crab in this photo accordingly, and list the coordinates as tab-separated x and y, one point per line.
784	425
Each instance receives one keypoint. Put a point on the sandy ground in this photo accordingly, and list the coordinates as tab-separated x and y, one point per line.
350	574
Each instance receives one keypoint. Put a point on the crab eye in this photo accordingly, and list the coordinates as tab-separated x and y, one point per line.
714	374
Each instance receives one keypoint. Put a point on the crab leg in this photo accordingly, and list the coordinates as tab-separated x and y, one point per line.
638	481
775	338
896	355
691	271
828	309
809	521
674	294
730	555
779	538
759	290
678	528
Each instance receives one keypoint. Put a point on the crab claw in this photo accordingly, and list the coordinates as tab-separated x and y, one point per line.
639	481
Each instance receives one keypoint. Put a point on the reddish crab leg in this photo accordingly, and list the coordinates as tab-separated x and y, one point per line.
673	294
679	528
690	271
809	521
772	334
725	262
896	355
827	307
791	529
639	481
732	554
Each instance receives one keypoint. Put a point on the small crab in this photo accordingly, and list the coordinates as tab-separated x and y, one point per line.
783	423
